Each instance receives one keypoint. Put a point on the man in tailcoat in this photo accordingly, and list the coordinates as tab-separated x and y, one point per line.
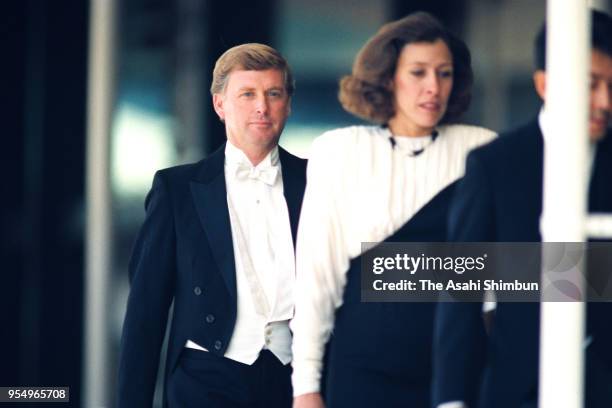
218	243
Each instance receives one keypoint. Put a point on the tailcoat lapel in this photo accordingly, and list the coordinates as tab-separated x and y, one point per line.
210	199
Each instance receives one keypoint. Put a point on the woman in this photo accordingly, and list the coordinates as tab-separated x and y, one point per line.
389	182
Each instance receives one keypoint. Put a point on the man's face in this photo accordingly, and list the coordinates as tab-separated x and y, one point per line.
254	107
600	101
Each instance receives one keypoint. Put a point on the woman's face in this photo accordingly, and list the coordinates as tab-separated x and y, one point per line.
422	84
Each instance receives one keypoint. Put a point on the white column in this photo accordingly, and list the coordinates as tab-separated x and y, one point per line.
96	376
565	198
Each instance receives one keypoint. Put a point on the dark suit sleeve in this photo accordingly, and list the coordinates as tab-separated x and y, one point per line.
152	271
460	338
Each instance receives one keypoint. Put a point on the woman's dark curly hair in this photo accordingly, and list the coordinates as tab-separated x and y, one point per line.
366	93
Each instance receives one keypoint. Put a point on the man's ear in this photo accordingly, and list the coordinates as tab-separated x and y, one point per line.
218	106
539	81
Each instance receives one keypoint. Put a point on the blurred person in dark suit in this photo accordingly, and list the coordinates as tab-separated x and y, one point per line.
218	241
500	199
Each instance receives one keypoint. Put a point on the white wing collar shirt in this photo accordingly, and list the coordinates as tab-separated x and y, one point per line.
264	257
362	186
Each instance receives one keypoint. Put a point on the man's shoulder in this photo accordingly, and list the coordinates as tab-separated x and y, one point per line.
292	160
522	142
201	170
180	172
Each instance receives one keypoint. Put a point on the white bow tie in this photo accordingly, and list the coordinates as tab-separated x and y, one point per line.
268	174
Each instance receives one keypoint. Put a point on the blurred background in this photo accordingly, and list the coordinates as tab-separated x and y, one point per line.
103	93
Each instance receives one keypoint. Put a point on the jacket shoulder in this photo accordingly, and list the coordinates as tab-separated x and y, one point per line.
516	142
180	172
291	159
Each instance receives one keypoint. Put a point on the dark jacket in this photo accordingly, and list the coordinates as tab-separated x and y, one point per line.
500	200
184	254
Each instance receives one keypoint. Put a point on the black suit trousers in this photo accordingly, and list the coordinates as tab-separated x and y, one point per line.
202	379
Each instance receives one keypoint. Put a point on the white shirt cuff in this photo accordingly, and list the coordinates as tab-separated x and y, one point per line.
306	378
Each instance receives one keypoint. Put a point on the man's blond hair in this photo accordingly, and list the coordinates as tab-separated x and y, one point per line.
249	57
